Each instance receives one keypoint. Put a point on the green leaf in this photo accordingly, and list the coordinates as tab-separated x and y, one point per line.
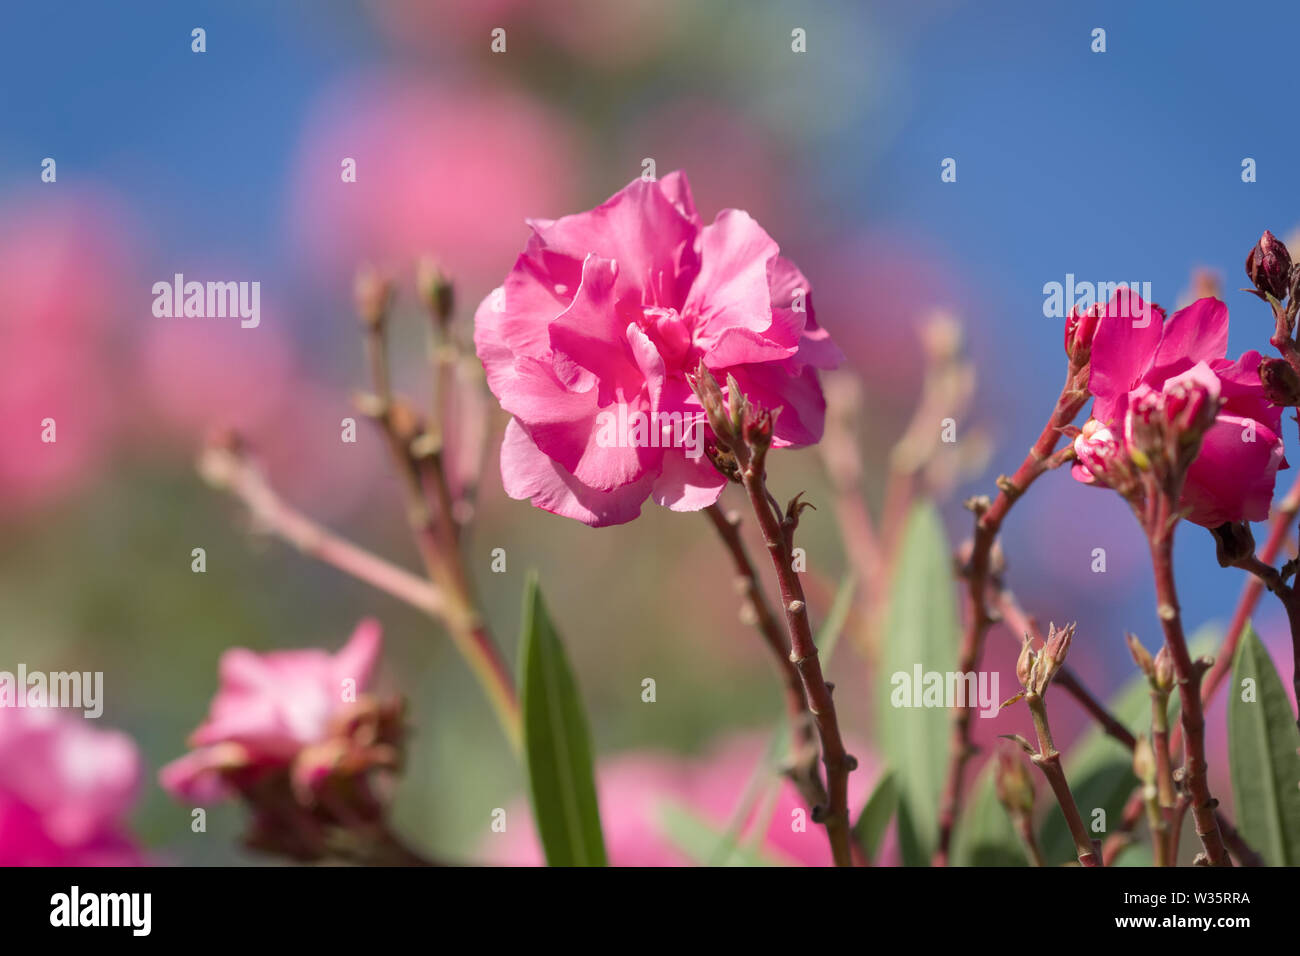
1098	767
1262	759
921	630
832	629
704	843
557	745
875	816
985	835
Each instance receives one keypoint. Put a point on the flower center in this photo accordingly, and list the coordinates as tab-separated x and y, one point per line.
669	332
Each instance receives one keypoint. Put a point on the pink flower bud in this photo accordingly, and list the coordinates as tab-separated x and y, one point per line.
1080	327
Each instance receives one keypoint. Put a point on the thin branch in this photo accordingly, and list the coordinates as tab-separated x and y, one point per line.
978	572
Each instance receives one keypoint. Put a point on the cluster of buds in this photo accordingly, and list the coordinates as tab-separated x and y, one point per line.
1270	269
740	428
1162	436
1163	429
1036	668
1104	459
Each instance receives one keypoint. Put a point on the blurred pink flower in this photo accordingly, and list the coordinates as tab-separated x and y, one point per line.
1232	478
65	790
268	710
728	155
634	789
197	375
444	170
60	268
600	321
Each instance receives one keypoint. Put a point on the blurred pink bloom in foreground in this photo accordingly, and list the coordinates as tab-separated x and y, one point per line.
634	789
65	790
439	170
1135	350
598	325
269	709
59	268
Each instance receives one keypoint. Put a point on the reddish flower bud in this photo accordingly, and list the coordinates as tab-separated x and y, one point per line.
1281	382
1269	266
1055	650
1080	328
759	423
1101	456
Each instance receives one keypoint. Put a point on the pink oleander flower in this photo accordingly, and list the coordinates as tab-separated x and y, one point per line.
589	341
292	734
1136	352
65	791
437	171
268	710
635	789
62	262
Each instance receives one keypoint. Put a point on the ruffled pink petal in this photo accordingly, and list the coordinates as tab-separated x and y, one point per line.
529	474
357	659
1198	333
644	231
815	345
1127	338
803	407
589	340
732	298
194	778
677	189
687	484
1232	478
572	428
1242	391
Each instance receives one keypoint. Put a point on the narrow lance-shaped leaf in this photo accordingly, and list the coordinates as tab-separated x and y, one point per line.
920	636
872	823
985	834
704	843
1262	758
832	629
557	744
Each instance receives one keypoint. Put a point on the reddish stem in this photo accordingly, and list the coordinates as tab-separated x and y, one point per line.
803	732
803	654
1188	677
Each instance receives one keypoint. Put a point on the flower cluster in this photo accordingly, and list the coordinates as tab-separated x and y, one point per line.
1167	398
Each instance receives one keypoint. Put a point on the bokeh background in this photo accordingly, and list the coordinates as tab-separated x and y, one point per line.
225	165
